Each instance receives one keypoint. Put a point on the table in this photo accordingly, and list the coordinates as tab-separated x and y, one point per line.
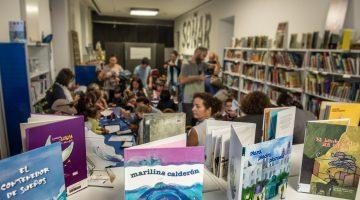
214	188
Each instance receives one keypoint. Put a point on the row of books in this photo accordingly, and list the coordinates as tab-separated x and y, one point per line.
253	86
283	77
326	87
274	94
254	71
252	42
282	58
334	62
231	81
233	54
232	67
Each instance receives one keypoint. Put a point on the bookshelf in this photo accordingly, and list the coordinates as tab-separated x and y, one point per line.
25	71
309	75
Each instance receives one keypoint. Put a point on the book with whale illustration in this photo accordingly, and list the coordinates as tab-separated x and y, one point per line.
153	172
70	132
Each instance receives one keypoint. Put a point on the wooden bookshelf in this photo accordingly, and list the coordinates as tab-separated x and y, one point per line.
304	71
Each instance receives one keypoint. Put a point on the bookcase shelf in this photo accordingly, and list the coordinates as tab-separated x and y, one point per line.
298	71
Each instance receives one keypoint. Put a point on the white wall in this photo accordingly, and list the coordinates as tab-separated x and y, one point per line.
261	17
9	11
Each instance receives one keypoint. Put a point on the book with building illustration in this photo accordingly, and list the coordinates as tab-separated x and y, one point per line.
258	171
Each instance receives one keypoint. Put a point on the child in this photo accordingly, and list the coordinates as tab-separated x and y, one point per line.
118	100
156	93
93	117
230	110
166	101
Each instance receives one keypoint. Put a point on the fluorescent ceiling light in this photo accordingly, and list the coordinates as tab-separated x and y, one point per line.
144	11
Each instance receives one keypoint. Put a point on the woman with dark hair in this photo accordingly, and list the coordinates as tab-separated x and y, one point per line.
110	75
61	88
137	87
301	116
205	107
253	105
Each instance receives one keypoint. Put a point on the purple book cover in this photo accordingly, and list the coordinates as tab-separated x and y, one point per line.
164	173
71	134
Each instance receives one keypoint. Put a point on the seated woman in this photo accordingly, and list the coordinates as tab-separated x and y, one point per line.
301	116
61	88
137	87
205	106
253	105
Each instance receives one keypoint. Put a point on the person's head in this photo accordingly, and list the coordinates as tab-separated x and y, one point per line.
205	106
92	87
94	97
113	60
93	112
213	57
117	93
165	95
136	84
145	62
254	103
200	54
65	77
142	101
228	104
285	99
174	55
160	86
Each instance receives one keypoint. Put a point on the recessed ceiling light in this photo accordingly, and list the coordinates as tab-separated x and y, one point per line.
144	11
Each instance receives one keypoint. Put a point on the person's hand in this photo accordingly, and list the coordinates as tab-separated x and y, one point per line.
201	77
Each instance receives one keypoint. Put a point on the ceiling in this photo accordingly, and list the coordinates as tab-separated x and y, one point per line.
168	9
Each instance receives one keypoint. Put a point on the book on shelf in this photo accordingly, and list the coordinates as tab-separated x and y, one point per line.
346	39
231	81
287	59
313	105
275	93
258	171
334	62
232	67
339	110
330	163
278	122
303	40
281	35
315	40
233	54
283	77
254	71
334	41
326	41
151	171
325	87
293	41
36	174
254	56
44	130
309	38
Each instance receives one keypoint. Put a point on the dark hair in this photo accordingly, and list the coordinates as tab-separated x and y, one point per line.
285	99
113	55
165	95
64	77
141	85
143	99
229	100
175	53
209	102
92	112
254	103
201	49
145	61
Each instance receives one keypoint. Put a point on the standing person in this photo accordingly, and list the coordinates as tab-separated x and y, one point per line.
142	72
192	77
301	116
110	76
173	67
212	82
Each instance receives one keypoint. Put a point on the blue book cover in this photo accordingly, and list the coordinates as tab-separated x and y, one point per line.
36	174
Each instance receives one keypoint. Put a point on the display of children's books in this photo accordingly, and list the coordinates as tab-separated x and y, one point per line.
17	31
247	136
156	173
331	159
36	174
278	122
70	133
340	110
159	126
258	171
